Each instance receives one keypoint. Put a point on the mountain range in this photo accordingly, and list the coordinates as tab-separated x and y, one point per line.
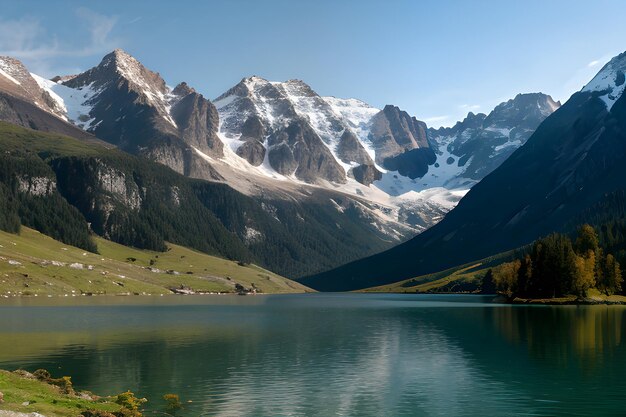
568	172
279	144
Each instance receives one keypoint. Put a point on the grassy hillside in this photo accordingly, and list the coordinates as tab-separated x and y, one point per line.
463	278
66	188
459	279
34	264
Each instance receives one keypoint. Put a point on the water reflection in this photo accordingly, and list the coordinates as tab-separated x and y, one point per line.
332	355
560	335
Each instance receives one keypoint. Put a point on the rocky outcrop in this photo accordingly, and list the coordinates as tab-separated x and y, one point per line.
298	150
115	183
197	120
36	186
366	174
253	134
413	163
393	132
253	152
349	149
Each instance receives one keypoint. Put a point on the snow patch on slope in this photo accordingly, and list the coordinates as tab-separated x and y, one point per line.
7	70
609	81
73	102
358	116
6	75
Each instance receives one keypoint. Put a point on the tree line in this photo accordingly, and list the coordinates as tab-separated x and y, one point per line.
558	265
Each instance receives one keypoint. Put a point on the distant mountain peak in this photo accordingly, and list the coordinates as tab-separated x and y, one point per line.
609	82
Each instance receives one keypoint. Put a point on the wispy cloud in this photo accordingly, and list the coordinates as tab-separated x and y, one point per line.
469	106
135	20
581	77
436	119
28	39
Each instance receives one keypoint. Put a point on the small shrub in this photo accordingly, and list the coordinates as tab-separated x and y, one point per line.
42	375
65	383
172	403
130	404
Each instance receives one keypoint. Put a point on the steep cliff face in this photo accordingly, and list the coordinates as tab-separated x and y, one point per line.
36	185
297	150
394	132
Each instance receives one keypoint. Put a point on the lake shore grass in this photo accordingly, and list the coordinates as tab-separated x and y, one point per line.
593	298
22	392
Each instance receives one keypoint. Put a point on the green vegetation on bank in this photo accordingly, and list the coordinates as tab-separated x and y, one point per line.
556	267
34	264
465	278
24	392
40	393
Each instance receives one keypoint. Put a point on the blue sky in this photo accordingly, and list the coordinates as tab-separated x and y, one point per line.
435	59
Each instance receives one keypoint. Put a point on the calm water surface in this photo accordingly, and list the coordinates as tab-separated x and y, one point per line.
329	354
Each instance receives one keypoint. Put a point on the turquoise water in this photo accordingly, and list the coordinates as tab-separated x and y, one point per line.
329	354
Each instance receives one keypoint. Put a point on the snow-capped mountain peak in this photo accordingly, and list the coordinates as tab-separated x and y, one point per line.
14	77
610	81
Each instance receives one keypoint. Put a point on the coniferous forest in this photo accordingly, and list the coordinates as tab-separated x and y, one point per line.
559	265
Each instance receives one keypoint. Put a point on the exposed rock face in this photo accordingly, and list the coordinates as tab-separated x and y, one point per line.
253	134
349	149
253	129
366	174
400	142
282	160
114	182
304	153
413	163
96	188
36	186
253	152
394	132
197	120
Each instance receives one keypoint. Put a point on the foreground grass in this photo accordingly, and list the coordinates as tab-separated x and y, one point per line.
30	395
37	265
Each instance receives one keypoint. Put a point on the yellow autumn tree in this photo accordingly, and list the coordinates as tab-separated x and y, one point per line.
585	274
505	277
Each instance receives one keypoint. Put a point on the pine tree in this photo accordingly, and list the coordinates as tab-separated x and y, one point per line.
586	240
612	282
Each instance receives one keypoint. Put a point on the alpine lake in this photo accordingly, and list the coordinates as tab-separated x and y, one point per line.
328	354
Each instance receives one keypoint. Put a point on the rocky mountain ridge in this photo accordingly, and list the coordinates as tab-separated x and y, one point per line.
271	138
570	169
